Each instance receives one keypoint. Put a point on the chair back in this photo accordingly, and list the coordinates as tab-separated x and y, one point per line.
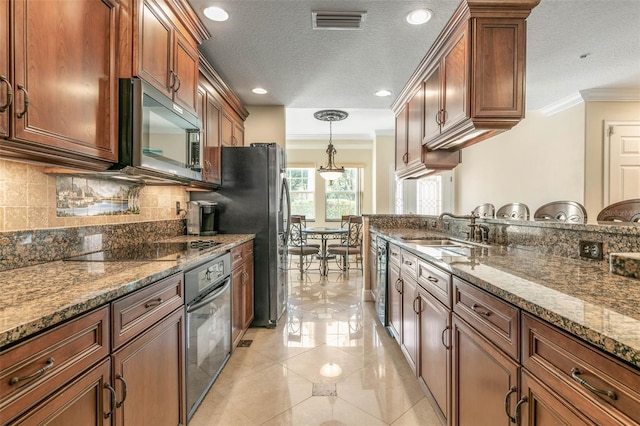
487	211
295	231
625	212
354	236
561	211
513	211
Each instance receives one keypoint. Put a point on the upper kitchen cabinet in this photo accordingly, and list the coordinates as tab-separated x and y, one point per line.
58	82
162	36
473	75
412	158
232	128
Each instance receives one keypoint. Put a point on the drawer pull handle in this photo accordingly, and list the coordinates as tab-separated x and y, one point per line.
575	374
153	303
237	256
124	390
399	285
507	398
432	279
112	391
4	107
442	337
480	309
22	113
15	380
418	309
518	407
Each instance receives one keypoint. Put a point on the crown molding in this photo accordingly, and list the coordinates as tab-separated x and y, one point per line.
591	95
322	145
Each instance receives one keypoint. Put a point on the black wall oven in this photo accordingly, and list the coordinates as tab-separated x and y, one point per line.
208	313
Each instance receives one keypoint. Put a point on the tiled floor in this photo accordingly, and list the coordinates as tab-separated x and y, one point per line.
329	362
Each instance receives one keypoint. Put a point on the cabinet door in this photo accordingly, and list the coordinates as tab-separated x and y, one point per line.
5	85
64	81
247	294
85	401
154	59
544	408
482	376
212	151
238	134
237	320
373	272
227	129
456	80
409	340
434	369
432	102
185	67
151	368
401	139
394	289
415	128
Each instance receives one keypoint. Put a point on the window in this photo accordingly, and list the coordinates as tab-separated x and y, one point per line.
344	195
429	198
301	187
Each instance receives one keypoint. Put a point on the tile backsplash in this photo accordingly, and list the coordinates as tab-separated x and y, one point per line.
28	201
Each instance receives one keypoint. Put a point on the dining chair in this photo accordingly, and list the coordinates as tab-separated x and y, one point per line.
561	211
513	211
486	211
352	246
625	212
297	247
303	224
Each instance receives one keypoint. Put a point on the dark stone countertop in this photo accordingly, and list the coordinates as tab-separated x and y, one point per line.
580	297
36	297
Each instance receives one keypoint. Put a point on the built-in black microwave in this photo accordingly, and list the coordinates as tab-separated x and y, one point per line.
156	136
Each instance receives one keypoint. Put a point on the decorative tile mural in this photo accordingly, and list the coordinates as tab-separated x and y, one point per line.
77	196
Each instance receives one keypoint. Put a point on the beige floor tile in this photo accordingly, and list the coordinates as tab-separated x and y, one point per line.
324	364
267	393
217	410
420	414
324	410
243	362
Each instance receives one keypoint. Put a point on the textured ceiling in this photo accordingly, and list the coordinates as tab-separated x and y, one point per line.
271	44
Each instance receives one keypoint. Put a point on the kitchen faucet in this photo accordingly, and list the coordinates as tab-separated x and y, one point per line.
473	227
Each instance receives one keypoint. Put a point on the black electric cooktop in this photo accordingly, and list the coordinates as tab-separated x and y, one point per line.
148	252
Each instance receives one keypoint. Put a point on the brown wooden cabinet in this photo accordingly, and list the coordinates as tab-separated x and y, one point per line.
472	79
409	314
163	55
210	113
373	266
149	375
242	291
232	128
84	401
484	379
394	292
64	106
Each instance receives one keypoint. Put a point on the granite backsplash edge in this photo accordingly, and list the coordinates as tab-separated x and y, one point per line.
31	247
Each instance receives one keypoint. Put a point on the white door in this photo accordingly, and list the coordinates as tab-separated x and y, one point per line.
624	162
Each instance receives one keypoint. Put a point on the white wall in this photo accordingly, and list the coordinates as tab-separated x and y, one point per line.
383	174
265	124
538	161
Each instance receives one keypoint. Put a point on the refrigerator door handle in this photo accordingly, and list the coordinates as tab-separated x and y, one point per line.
285	195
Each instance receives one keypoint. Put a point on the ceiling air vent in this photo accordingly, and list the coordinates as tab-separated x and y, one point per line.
338	20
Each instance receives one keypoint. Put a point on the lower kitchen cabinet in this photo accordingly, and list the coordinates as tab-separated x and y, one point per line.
148	376
87	400
409	334
242	291
394	302
485	379
434	337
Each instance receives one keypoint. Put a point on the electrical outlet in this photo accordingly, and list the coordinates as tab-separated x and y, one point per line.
591	249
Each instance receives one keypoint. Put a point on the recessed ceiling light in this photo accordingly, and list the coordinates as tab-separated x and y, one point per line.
259	91
216	14
383	93
419	16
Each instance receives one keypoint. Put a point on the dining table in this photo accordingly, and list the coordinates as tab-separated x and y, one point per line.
324	233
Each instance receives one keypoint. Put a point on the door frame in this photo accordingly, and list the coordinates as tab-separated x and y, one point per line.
606	166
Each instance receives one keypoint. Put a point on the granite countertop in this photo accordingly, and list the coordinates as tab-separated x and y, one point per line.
580	297
36	297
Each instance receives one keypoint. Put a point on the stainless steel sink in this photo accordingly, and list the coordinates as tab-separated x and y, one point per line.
431	242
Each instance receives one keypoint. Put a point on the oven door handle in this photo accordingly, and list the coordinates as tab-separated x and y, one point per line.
211	297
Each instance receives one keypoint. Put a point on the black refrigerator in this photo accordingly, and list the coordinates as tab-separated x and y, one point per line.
254	199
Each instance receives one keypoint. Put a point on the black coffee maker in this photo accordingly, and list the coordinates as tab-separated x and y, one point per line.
201	218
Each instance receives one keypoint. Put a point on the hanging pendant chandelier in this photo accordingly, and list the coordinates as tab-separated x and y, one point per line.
331	171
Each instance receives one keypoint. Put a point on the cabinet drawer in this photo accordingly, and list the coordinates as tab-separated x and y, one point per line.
241	253
578	371
409	264
33	369
394	255
494	318
435	281
136	312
